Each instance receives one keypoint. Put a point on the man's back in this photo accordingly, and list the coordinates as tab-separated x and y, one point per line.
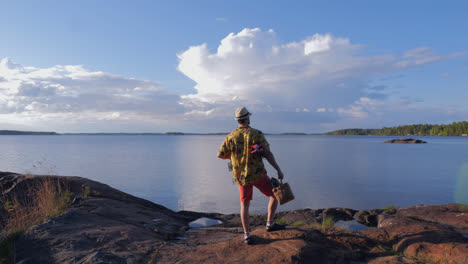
247	167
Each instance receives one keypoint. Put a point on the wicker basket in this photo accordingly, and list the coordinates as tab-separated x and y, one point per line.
283	193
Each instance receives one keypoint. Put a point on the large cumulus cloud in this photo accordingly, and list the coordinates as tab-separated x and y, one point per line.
321	75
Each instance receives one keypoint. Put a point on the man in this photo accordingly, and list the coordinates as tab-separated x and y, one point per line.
244	147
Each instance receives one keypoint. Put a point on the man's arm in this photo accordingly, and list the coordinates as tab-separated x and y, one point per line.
224	151
271	159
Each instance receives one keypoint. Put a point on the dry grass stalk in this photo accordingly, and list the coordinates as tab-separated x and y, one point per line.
48	198
29	206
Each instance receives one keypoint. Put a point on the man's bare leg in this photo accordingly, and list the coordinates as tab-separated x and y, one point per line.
245	216
272	205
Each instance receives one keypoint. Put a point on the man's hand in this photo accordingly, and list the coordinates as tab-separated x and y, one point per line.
228	156
280	175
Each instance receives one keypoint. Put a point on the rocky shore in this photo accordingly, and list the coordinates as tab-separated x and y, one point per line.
406	141
104	225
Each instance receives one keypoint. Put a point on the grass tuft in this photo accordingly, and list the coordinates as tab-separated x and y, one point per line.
463	207
48	198
8	206
298	223
64	201
281	221
328	222
86	192
389	207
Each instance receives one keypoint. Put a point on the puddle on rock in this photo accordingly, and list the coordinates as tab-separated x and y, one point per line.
204	222
352	225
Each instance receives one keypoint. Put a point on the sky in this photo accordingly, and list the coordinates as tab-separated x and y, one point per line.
298	66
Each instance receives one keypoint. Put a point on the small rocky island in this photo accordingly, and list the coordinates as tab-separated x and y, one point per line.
104	225
406	141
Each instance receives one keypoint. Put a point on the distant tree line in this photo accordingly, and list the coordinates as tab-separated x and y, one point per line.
15	132
454	129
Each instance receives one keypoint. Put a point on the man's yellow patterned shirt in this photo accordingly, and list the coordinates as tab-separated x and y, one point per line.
247	167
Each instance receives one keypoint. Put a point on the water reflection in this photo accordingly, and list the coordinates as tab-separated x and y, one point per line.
352	225
461	189
182	172
204	222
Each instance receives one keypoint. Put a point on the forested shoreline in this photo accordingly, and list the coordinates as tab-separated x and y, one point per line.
454	129
16	132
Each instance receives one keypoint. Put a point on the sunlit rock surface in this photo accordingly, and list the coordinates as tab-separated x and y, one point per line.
109	226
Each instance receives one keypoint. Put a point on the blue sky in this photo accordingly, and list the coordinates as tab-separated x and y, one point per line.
305	66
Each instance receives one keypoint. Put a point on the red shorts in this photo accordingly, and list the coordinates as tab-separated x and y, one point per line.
263	184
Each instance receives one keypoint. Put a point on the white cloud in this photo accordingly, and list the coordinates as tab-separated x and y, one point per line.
353	111
71	92
259	71
199	113
361	108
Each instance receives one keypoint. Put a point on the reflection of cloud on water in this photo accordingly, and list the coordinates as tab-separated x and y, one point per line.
205	184
461	189
352	172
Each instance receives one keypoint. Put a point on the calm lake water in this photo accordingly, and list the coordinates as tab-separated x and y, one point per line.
183	173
